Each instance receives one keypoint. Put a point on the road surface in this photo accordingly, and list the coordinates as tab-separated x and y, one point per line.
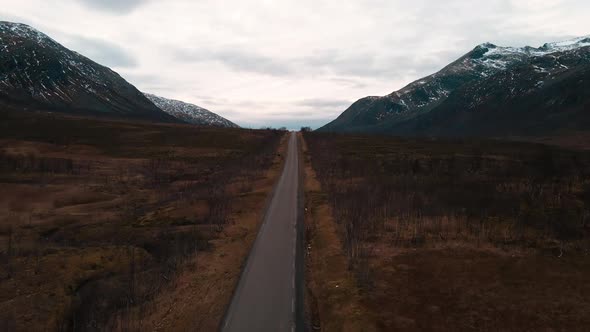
265	299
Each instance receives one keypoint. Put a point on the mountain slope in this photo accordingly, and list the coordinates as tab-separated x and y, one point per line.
190	113
38	72
484	80
551	94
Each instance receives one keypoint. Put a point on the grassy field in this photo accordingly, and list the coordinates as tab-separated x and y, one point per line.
452	234
103	222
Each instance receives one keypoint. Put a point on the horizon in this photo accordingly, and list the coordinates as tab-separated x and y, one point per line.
260	71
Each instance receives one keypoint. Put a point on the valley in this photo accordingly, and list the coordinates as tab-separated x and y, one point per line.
460	202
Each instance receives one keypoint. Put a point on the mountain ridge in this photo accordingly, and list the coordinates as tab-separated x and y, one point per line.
189	112
386	114
38	72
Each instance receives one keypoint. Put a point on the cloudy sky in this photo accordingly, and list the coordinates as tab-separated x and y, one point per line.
289	62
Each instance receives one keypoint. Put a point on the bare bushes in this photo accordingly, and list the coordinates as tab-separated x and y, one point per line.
414	193
30	163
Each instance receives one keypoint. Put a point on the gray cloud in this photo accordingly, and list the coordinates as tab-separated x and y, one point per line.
147	80
379	65
349	82
13	18
331	62
114	6
339	62
324	103
236	59
101	51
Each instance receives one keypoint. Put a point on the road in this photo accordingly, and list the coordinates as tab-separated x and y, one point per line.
265	299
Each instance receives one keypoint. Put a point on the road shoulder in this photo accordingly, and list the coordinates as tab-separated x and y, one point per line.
333	300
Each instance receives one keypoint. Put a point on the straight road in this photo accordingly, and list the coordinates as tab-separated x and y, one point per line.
265	299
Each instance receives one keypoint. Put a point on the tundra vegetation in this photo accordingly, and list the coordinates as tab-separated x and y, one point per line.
99	217
457	234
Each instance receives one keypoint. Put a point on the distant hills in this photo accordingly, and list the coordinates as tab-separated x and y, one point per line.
36	72
490	91
190	113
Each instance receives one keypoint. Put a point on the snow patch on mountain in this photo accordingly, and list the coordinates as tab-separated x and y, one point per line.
484	62
548	48
190	113
16	40
38	71
27	32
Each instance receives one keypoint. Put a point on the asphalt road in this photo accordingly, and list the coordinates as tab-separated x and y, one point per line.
265	299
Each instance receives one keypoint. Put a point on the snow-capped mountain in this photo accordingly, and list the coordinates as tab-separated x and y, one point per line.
190	113
546	49
37	72
509	72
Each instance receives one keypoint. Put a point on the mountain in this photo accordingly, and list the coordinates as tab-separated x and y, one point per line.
37	72
190	113
490	91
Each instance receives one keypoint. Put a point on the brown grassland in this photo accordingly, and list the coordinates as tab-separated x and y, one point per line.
115	225
333	300
446	235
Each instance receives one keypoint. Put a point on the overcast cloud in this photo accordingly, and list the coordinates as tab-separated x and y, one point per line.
114	6
291	62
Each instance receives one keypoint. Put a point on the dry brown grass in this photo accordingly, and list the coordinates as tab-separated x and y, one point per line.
573	140
332	297
459	235
463	288
201	293
102	220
